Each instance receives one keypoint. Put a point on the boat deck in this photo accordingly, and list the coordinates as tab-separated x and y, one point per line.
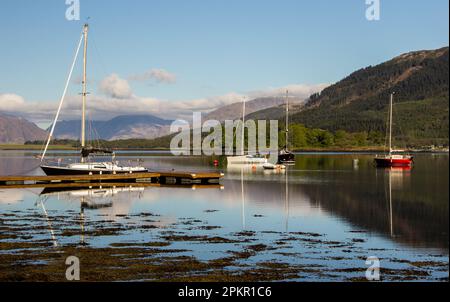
169	177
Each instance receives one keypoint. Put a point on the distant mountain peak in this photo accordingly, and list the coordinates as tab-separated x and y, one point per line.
17	130
120	127
422	54
234	111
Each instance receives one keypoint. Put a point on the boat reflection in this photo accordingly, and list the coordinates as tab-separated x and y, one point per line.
235	168
249	175
95	197
113	200
395	176
89	198
41	202
371	200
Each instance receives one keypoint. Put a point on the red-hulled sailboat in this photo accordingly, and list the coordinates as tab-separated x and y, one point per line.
391	159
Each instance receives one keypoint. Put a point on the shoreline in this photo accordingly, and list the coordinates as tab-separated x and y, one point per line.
369	150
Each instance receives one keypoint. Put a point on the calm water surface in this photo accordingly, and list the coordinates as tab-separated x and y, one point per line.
355	209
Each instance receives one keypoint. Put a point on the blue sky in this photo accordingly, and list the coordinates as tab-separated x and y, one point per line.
213	48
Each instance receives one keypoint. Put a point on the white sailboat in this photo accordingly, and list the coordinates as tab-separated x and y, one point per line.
85	166
245	158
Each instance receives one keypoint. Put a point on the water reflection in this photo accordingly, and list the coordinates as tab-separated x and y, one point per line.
396	174
99	197
393	202
40	202
326	193
253	172
17	163
111	200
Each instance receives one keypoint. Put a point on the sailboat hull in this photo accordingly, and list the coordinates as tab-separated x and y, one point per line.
56	170
394	162
286	158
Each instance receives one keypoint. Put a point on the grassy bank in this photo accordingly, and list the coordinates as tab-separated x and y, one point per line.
34	147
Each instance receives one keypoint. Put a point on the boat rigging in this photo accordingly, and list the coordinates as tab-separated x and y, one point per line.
85	166
391	159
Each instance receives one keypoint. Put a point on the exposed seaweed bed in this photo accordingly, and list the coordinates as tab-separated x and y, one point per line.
169	252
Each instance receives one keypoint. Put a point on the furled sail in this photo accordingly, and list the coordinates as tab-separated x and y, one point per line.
89	150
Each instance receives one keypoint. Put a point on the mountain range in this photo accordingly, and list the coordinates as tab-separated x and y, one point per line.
120	127
17	130
149	126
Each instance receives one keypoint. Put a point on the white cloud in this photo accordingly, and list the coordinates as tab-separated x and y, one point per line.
156	75
38	112
11	101
115	87
119	100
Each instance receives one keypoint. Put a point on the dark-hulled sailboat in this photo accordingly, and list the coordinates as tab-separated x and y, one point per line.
284	155
85	166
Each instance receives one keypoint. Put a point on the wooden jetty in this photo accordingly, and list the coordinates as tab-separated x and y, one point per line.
169	177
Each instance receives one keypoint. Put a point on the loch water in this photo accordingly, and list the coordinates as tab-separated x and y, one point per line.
329	212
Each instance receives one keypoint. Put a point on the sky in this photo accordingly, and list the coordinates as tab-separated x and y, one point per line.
170	57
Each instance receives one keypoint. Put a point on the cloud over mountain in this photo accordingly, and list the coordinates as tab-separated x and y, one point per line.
11	102
119	99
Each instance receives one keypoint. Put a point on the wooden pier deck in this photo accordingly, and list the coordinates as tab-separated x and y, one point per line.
168	177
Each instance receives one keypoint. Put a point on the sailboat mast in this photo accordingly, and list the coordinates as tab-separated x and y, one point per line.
287	118
390	123
62	99
83	110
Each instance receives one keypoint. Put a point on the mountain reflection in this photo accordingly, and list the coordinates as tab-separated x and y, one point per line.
384	201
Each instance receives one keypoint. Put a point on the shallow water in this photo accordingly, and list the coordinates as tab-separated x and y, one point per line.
327	213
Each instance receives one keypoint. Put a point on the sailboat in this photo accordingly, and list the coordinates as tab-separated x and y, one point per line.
284	155
85	166
391	159
245	158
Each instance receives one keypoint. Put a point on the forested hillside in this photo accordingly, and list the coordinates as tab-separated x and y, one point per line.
359	102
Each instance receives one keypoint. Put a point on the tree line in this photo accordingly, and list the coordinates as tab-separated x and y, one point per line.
300	137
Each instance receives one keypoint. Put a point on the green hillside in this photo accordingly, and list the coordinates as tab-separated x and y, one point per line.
359	102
